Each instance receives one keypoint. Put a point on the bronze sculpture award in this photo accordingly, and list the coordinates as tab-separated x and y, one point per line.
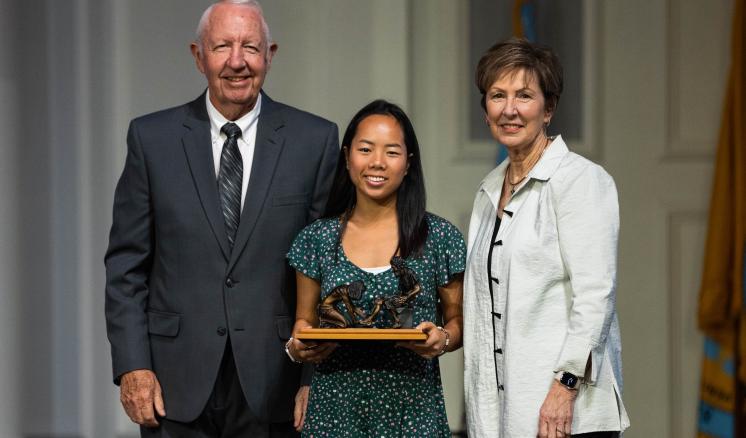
354	323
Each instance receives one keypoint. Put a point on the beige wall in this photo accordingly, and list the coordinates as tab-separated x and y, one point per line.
655	83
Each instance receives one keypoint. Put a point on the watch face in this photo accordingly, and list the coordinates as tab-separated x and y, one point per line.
569	380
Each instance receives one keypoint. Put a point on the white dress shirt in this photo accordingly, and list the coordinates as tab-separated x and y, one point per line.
247	123
548	303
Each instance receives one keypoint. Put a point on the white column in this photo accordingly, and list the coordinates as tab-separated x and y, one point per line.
63	109
9	278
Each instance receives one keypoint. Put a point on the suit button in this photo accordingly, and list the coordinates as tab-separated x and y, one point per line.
221	331
229	282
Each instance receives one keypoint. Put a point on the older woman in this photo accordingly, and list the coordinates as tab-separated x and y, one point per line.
541	337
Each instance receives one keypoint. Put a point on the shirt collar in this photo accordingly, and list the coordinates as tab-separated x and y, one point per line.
550	160
492	183
217	120
542	170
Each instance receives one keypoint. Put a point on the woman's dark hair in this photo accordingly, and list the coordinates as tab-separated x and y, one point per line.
410	200
516	54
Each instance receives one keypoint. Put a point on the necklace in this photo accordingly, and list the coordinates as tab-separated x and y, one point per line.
514	184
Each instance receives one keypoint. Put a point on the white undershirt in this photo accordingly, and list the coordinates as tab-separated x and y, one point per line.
377	270
248	124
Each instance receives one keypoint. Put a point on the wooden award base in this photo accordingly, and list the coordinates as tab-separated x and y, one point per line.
362	334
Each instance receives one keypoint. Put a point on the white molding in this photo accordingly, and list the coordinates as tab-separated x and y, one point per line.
680	318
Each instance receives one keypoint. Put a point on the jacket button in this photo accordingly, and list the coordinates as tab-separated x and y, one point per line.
221	331
501	388
229	282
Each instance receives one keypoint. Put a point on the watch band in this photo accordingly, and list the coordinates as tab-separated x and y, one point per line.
287	351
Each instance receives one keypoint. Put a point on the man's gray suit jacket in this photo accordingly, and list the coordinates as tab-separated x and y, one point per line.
174	289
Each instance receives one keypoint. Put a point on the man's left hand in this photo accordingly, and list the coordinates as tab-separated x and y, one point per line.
140	394
301	404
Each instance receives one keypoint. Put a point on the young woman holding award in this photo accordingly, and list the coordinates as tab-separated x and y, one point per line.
375	231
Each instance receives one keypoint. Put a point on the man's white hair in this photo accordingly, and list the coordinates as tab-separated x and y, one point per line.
250	3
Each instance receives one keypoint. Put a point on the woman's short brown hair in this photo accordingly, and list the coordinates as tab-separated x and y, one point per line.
516	54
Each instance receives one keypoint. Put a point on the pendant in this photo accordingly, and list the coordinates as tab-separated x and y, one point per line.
512	191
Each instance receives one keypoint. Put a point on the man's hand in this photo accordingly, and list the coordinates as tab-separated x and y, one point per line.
140	394
301	404
555	416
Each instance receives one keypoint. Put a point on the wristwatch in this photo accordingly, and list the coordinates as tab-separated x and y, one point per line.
568	380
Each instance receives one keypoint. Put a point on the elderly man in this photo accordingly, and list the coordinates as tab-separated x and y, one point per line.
199	298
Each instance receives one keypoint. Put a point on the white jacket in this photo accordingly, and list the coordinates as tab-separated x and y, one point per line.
552	302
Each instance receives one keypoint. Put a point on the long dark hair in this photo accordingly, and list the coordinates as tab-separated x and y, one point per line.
410	200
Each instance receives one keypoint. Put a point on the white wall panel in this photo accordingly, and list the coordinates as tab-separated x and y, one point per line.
335	56
696	74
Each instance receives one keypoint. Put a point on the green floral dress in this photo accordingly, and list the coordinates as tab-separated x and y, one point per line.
374	389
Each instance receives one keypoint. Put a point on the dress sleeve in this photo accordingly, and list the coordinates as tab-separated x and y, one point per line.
588	225
304	253
451	252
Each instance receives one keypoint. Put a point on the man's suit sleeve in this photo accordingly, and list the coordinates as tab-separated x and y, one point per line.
324	178
128	261
325	174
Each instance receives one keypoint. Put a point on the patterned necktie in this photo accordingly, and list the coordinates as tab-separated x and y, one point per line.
230	177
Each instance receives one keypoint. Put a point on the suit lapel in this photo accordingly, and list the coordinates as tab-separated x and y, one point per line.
267	149
197	147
